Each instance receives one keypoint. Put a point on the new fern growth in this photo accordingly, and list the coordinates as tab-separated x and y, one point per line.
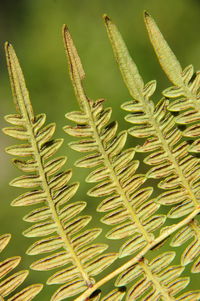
128	207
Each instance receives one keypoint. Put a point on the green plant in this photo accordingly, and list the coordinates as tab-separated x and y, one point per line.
131	202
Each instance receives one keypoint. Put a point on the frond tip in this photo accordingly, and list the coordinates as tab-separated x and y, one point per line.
9	284
132	77
186	85
166	57
76	70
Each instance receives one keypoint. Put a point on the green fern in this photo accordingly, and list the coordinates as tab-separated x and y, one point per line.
126	203
55	216
128	206
169	155
95	128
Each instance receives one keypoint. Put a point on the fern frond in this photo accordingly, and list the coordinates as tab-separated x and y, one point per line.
157	280
179	171
128	205
8	284
92	127
55	220
167	232
186	85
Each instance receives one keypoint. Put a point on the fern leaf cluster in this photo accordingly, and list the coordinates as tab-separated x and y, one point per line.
9	283
64	241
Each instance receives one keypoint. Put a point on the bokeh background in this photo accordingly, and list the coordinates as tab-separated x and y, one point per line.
34	28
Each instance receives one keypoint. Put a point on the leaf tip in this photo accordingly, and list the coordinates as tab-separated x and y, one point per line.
4	240
64	28
9	50
146	14
7	46
106	18
66	33
75	65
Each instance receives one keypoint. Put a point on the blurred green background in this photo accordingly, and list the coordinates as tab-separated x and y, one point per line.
34	28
